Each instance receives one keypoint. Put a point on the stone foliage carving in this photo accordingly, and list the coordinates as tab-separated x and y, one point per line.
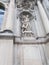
26	4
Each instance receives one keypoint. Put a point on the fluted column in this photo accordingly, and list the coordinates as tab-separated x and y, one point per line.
38	24
43	16
10	16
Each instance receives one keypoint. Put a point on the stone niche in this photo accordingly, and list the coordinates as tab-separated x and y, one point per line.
25	18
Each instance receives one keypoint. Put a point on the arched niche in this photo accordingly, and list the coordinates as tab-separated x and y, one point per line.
26	13
26	23
2	10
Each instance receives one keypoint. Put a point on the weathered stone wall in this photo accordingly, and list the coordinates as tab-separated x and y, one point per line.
6	52
32	54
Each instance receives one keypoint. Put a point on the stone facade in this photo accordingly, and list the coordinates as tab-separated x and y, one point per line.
24	33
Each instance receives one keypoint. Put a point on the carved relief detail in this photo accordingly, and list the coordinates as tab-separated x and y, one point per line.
26	4
26	24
